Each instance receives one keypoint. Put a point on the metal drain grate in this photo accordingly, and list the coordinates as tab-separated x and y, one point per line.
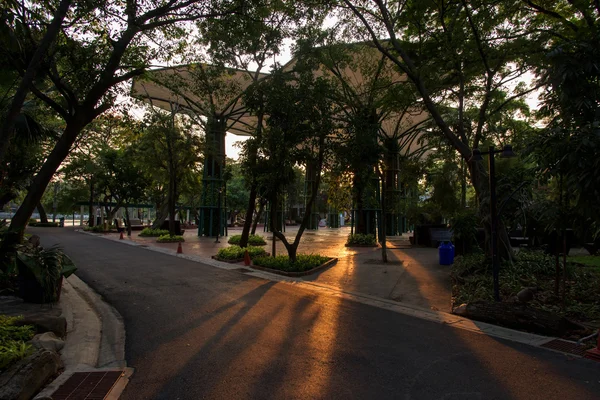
565	347
87	386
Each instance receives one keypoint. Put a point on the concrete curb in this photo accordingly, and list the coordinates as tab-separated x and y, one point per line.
417	312
95	336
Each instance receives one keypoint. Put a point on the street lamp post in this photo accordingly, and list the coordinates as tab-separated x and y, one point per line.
506	152
219	214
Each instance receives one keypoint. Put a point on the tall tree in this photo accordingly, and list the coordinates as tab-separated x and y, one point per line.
299	123
457	54
98	51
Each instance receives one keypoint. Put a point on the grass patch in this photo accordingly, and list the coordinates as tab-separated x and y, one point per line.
13	341
472	281
304	262
236	252
360	239
253	240
590	261
149	232
170	239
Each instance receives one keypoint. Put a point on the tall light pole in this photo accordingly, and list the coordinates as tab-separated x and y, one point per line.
506	152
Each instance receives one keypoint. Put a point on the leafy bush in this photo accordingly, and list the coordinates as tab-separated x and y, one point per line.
149	232
304	262
13	346
46	267
361	239
44	224
253	240
32	221
236	252
170	239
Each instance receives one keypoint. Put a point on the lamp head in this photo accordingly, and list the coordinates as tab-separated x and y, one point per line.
507	152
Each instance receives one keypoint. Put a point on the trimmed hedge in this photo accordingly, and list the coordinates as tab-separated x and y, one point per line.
149	232
170	239
44	224
236	252
304	262
361	240
253	240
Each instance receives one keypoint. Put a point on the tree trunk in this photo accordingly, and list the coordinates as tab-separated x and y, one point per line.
43	177
128	223
383	235
42	212
249	213
91	214
35	63
261	208
161	216
479	180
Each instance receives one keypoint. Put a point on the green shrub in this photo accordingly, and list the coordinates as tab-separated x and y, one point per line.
44	224
149	232
13	346
236	252
361	239
32	221
170	239
253	240
304	262
96	229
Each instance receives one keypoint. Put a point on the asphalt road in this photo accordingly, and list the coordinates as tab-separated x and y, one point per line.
194	331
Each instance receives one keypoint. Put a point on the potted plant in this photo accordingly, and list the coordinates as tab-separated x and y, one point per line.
41	272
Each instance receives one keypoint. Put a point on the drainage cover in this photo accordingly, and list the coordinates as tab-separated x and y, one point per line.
87	385
566	347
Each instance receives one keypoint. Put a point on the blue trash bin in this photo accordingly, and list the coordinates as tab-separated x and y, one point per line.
446	253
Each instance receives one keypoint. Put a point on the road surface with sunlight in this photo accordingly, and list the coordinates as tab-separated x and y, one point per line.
194	331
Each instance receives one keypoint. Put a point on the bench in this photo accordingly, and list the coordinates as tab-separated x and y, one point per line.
136	224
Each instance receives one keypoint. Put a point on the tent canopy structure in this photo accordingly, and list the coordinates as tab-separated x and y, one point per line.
206	90
201	90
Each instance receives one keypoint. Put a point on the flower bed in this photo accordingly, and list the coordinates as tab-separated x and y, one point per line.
305	264
472	282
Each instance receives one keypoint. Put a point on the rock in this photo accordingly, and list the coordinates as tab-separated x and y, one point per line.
526	295
45	323
460	310
25	378
48	341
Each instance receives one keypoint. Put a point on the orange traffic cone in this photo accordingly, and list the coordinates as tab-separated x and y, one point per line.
121	237
246	258
594	354
179	249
